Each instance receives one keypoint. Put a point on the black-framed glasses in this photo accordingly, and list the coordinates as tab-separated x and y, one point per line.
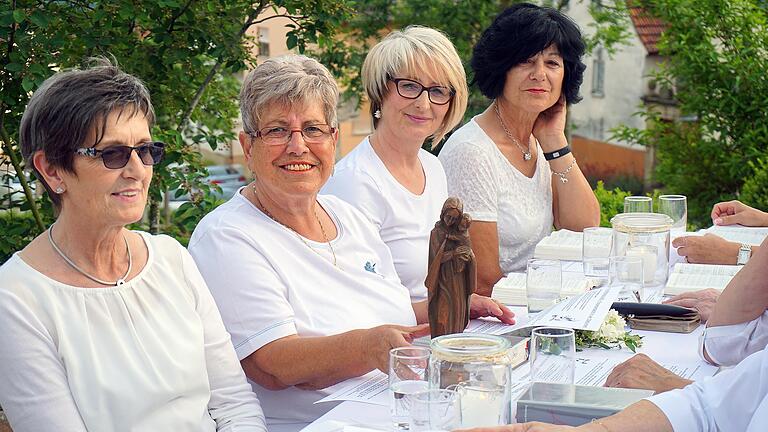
410	89
279	135
116	157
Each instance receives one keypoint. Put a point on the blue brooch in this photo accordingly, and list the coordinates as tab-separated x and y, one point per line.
371	267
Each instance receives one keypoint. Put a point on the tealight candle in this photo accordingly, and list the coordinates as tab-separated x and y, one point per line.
648	254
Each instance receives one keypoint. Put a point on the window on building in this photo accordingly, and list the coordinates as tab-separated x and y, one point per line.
598	73
263	35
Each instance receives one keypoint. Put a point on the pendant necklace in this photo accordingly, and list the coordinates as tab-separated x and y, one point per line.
118	282
526	151
322	230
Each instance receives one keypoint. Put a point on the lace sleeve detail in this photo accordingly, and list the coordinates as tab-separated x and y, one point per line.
470	171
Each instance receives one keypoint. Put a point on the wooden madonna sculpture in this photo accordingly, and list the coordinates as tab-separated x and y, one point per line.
452	274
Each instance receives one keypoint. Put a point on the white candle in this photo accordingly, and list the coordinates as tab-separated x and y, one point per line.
648	254
482	407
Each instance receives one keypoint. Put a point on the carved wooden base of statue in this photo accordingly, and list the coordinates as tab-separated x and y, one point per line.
452	275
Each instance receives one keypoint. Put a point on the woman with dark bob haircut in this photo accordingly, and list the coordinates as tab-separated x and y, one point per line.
511	165
103	328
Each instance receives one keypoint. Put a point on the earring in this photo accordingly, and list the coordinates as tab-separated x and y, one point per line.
377	114
59	190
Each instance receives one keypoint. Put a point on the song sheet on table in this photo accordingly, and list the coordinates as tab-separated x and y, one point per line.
372	388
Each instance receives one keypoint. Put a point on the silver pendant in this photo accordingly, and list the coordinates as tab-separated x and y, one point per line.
564	180
120	282
527	156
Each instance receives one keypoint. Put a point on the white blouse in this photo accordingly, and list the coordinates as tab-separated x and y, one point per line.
150	355
493	190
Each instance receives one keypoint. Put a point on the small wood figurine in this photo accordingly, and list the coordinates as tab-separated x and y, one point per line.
452	275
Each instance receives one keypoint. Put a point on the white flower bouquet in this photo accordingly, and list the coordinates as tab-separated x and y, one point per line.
610	335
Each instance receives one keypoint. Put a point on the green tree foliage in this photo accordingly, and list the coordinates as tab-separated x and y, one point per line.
187	52
718	55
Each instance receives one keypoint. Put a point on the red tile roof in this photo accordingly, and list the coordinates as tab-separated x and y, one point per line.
649	29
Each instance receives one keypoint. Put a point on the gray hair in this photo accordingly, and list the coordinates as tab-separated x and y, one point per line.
73	104
287	80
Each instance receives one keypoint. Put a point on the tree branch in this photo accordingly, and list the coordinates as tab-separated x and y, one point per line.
214	70
19	172
178	15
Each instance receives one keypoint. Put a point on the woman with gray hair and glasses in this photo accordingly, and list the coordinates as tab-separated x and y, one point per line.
305	285
103	328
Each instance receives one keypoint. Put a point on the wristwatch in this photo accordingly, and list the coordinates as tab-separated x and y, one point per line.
745	251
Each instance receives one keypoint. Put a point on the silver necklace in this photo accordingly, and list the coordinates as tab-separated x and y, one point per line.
118	282
526	151
322	230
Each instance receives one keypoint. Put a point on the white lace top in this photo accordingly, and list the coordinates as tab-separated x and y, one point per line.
493	190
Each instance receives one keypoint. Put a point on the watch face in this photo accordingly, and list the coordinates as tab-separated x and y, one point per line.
743	256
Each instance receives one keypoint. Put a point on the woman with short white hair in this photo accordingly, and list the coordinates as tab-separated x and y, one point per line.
304	283
417	88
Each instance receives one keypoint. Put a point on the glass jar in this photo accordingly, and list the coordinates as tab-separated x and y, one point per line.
477	366
645	235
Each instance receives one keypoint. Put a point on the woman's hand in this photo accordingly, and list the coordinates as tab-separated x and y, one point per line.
523	427
640	372
735	212
379	340
549	128
706	249
481	306
702	300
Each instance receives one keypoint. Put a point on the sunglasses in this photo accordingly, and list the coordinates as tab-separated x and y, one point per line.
117	157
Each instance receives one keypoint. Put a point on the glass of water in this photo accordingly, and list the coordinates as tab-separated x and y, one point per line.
629	273
553	355
435	410
543	283
638	204
676	207
407	376
595	252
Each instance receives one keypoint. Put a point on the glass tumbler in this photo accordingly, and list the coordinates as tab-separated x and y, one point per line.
553	355
435	410
676	207
638	204
595	252
407	375
543	283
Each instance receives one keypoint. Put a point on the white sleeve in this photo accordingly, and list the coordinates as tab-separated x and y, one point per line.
471	178
725	402
728	345
252	298
360	190
34	390
233	405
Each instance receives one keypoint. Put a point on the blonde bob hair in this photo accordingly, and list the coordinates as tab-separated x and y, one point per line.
287	80
403	53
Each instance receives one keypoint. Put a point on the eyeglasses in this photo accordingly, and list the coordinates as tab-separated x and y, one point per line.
278	135
410	89
116	157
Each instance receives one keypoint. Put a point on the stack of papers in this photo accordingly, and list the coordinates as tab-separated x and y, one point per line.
510	289
694	277
560	245
740	234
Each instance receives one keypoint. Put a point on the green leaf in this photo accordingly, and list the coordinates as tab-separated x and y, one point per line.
27	84
40	18
14	67
19	16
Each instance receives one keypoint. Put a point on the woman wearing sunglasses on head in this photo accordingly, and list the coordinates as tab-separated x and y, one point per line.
417	88
103	328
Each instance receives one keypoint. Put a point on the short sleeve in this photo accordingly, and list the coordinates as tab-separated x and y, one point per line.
728	345
232	405
471	177
252	298
34	390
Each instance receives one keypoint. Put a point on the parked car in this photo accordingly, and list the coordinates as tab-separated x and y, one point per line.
11	192
229	178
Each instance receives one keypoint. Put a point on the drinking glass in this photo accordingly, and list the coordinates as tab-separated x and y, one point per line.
407	375
553	355
483	404
627	271
435	410
543	283
595	251
676	207
638	204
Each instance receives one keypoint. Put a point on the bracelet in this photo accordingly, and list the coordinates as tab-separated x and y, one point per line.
598	422
557	153
567	170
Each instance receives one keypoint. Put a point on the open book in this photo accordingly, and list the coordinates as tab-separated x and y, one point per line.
694	277
740	234
567	245
510	289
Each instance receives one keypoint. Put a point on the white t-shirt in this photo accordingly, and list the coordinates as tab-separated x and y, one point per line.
270	284
150	355
404	219
493	190
734	400
730	344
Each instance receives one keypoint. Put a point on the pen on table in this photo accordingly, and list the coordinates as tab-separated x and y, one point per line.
637	296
